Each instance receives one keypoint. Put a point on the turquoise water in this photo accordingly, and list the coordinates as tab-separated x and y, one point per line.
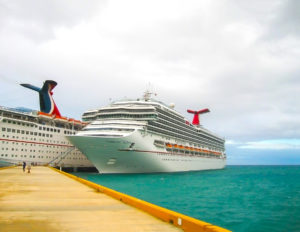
239	198
4	164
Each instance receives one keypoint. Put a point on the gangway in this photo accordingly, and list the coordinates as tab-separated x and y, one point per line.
63	155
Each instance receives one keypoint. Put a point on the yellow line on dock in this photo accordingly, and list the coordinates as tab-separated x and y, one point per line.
2	168
47	201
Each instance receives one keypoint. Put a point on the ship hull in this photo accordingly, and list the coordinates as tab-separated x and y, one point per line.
136	153
24	139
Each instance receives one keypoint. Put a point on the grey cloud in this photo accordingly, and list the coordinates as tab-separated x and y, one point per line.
37	19
287	21
203	59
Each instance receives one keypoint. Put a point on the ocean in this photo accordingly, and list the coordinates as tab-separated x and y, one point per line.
238	198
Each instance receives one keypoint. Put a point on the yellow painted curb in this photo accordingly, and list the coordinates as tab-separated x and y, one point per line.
187	223
13	166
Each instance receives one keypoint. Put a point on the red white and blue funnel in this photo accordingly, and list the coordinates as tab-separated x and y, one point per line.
196	120
47	104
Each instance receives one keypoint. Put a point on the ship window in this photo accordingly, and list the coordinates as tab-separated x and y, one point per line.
3	129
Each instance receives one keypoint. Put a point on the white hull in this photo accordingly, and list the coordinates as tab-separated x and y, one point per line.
23	140
114	155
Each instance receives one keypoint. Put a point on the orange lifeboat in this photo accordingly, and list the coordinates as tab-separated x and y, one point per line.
169	145
60	118
44	115
72	120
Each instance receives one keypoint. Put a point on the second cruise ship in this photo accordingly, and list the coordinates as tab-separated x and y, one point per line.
39	137
147	136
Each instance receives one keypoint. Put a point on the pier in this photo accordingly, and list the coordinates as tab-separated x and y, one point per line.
45	200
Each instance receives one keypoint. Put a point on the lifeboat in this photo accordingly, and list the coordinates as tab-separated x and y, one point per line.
169	145
44	115
61	119
74	121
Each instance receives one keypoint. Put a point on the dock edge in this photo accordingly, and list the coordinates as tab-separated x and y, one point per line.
12	166
188	224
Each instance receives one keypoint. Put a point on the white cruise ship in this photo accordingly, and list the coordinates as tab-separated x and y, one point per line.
147	136
39	137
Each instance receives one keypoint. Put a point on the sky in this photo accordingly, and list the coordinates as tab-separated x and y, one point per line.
240	59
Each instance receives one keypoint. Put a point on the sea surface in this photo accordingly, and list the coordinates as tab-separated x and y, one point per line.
238	198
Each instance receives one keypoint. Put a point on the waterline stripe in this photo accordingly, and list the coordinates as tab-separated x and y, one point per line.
39	143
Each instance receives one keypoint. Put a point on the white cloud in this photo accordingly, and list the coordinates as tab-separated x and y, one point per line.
279	144
224	55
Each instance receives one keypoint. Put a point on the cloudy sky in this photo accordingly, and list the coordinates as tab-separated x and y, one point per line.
241	59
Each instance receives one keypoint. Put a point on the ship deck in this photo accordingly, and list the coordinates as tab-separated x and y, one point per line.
45	200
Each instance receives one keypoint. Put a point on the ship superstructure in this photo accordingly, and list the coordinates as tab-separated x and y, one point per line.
145	135
39	136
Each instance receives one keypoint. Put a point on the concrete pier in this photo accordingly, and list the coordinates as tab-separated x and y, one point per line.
45	200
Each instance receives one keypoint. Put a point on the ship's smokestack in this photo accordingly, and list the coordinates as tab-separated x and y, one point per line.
196	120
47	104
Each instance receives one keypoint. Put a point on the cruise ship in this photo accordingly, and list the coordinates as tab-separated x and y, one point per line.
39	137
147	136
